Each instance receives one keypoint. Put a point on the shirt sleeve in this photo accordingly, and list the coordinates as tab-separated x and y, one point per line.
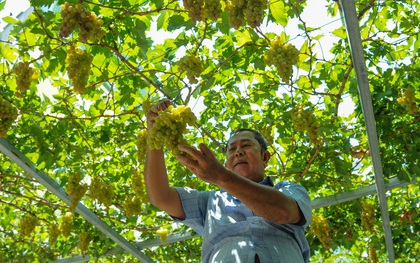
301	197
194	203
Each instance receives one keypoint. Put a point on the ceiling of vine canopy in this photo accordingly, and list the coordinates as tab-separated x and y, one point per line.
351	22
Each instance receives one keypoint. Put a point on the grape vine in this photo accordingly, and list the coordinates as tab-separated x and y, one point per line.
192	67
211	9
267	132
321	230
368	217
84	239
79	65
25	75
101	191
141	145
27	225
305	120
373	257
163	233
66	224
132	206
75	189
169	127
236	13
78	16
408	99
53	232
8	114
283	56
137	183
194	8
254	12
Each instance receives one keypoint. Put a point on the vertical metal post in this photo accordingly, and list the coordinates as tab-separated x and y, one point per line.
353	33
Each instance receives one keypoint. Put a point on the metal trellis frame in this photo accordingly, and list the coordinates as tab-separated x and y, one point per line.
348	9
21	160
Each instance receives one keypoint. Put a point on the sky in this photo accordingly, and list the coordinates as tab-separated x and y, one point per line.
12	8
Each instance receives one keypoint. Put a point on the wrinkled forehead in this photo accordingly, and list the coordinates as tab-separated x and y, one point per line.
241	137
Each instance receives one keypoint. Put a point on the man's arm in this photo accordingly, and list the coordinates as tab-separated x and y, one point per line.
159	192
265	201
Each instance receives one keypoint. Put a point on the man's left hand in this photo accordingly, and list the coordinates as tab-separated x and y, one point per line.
203	163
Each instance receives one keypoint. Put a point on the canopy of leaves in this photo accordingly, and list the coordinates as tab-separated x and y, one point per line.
134	59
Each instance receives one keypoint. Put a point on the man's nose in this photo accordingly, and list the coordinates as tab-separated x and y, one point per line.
239	151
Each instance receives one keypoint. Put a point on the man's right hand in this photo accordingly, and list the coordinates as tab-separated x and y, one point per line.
154	111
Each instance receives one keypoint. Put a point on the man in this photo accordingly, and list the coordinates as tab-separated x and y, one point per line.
249	219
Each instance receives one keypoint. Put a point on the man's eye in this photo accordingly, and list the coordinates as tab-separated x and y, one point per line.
231	149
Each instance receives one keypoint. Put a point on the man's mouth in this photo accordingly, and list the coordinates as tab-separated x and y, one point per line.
238	163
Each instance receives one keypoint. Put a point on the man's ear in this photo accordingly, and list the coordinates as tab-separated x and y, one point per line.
266	157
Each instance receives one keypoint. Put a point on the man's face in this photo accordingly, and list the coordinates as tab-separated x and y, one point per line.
244	156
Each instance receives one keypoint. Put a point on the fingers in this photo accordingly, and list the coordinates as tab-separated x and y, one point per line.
193	152
186	161
154	111
201	154
206	150
160	105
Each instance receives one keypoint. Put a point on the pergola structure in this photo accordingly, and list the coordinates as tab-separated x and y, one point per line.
350	20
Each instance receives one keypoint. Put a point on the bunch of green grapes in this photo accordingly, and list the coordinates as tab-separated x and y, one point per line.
77	195
69	23
132	206
163	233
408	99
102	192
79	16
169	128
194	8
211	9
283	56
141	145
79	65
66	223
8	114
305	120
27	225
75	189
146	106
321	229
192	66
73	182
267	132
137	183
24	76
255	12
236	13
84	241
53	232
368	217
373	257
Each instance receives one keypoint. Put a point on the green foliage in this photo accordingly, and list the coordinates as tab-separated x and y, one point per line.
136	58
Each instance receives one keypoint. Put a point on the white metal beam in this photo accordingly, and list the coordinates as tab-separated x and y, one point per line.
348	9
155	242
21	160
356	194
